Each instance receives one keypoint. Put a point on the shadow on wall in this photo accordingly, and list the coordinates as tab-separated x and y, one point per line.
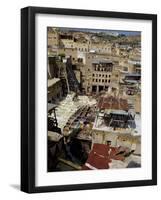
15	186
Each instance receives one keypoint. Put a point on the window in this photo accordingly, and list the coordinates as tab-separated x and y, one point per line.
108	142
102	80
102	75
105	80
125	68
99	75
96	79
99	80
93	74
109	81
109	76
93	79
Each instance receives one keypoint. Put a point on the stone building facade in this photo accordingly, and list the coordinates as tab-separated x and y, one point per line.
103	64
97	73
101	75
53	39
54	90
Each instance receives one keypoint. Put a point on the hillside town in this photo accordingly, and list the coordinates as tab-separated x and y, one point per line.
94	99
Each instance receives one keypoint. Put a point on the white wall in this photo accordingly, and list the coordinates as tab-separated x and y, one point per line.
10	98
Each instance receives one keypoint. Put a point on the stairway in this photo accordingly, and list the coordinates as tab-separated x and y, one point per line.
72	80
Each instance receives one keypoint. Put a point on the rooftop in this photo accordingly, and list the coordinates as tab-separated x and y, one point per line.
52	81
118	112
53	136
102	61
131	81
51	106
134	75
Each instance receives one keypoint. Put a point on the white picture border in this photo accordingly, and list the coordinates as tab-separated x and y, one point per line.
43	178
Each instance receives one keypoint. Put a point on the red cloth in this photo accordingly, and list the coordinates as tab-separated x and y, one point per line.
100	157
